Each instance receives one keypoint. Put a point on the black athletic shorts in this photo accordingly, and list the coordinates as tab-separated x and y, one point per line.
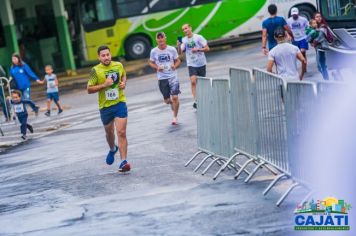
197	71
169	87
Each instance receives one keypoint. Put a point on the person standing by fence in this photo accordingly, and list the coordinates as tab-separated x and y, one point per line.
22	73
269	26
195	46
285	56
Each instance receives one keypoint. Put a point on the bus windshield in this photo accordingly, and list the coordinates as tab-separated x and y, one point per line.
96	11
339	9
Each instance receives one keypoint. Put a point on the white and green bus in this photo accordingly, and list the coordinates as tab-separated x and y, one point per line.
128	27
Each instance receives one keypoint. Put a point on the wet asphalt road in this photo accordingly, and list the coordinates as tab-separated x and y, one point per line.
58	183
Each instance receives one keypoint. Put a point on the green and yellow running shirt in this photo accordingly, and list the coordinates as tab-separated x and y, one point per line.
111	95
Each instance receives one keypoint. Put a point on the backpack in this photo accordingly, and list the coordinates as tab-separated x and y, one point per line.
329	35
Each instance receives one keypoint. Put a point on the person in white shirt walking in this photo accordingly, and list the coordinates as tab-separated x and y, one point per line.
285	56
194	46
164	59
298	25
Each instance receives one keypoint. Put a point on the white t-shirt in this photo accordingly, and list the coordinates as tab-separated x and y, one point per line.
285	57
165	58
51	83
298	27
196	59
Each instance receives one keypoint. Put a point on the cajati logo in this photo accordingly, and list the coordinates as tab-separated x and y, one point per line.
327	214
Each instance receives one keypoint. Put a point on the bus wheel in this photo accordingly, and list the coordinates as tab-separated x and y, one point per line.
306	11
137	47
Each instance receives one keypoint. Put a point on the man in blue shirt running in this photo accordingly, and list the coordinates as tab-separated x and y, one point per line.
269	26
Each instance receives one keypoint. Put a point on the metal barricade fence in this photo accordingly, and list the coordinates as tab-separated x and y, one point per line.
284	108
4	102
261	116
328	88
220	118
300	104
243	118
204	131
203	112
213	122
270	95
300	108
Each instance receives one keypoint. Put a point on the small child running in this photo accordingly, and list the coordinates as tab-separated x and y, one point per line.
52	90
21	111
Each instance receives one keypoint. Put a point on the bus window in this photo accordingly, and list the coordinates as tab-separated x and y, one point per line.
96	11
200	2
127	8
163	5
341	8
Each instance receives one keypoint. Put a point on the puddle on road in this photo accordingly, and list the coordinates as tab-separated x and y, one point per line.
57	127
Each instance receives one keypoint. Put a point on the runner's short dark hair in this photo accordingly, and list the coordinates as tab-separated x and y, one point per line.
279	32
272	9
102	48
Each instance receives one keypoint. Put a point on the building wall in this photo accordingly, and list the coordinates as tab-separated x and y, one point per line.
26	22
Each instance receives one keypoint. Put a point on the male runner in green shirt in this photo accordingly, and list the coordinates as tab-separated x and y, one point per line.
109	79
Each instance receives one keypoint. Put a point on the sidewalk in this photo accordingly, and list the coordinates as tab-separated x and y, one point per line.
43	125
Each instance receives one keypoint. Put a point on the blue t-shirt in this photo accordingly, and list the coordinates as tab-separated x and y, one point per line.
22	75
271	24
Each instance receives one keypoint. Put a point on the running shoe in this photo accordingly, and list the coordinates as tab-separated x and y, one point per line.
24	137
195	105
60	111
30	128
124	166
47	113
110	158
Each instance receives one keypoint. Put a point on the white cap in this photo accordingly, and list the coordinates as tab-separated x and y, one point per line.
294	11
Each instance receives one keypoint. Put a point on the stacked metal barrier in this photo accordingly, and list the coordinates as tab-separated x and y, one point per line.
260	116
271	119
300	104
214	126
5	104
243	117
300	108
